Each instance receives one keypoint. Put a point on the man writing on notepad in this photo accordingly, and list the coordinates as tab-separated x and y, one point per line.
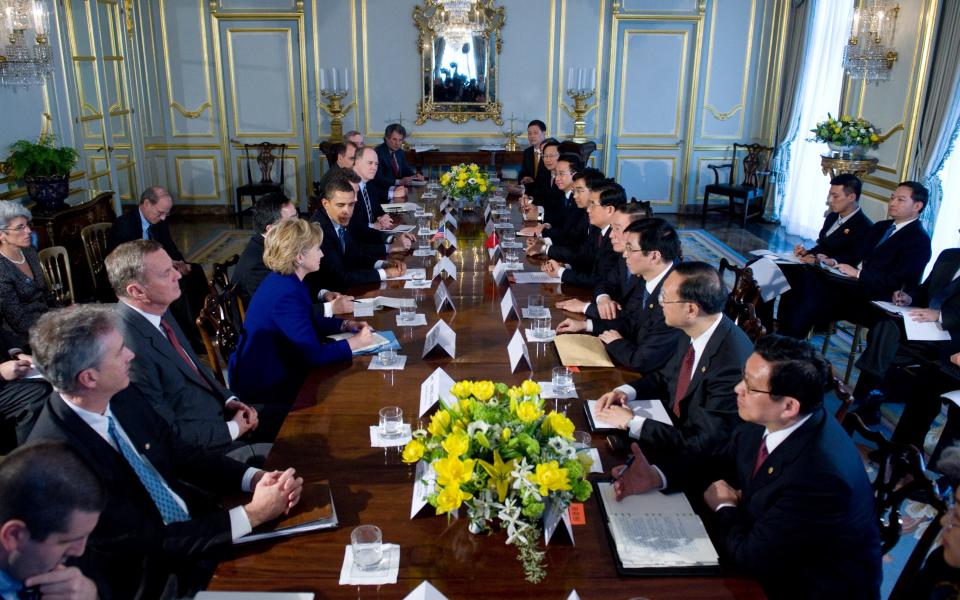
696	385
792	503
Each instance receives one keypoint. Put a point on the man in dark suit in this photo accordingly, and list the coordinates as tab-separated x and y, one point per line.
937	300
639	337
49	503
892	256
588	264
696	385
844	227
791	500
160	530
345	262
168	373
370	221
532	172
393	169
149	222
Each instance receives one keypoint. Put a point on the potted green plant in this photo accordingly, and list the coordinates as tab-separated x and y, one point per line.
45	169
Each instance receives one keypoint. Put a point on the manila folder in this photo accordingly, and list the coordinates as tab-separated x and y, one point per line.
577	350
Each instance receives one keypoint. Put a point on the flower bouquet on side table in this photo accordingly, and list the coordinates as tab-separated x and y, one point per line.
501	455
846	135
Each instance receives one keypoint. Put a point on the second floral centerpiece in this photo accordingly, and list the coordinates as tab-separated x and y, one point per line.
465	181
502	456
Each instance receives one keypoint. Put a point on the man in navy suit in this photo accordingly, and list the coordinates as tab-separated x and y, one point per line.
844	226
532	171
345	262
696	385
892	256
639	337
393	169
791	502
160	530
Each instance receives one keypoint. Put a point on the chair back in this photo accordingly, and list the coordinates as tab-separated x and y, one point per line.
581	149
94	239
55	264
900	474
220	279
745	287
754	165
265	160
646	204
842	391
329	151
219	334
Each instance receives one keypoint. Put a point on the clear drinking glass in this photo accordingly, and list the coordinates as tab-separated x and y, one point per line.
562	380
535	305
408	310
582	440
423	241
391	422
366	542
541	328
387	357
418	277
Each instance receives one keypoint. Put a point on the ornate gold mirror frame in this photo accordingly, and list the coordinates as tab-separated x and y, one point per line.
467	87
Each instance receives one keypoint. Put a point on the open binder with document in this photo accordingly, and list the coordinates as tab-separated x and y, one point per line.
314	512
656	534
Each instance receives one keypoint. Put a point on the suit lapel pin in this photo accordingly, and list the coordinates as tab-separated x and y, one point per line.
703	369
769	470
846	232
650	307
146	446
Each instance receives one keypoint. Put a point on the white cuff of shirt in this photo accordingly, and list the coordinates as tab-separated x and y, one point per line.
663	478
328	309
560	272
239	523
940	318
628	391
234	428
724	505
383	274
378	264
635	425
589	326
585	307
547	242
390	192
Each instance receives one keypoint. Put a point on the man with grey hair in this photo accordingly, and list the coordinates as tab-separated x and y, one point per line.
393	169
354	136
157	535
149	222
168	373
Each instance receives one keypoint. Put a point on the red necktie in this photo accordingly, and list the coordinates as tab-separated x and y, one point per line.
683	380
172	337
762	455
396	165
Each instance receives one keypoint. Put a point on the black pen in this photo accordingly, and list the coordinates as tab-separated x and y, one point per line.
626	465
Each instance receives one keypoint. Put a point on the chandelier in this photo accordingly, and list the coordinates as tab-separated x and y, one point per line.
23	63
458	20
869	54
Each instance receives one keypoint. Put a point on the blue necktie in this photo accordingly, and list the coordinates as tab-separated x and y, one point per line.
170	511
343	245
366	202
646	294
887	233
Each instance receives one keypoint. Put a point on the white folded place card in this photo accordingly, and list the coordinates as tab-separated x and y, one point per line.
442	298
443	336
534	277
363	310
418	319
425	591
499	272
553	515
534	339
547	392
424	252
424	484
488	228
449	235
450	220
418	285
386	571
486	212
518	351
445	265
508	305
378	441
436	387
396	365
493	251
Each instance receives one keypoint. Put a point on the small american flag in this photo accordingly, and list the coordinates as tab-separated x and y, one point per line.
439	235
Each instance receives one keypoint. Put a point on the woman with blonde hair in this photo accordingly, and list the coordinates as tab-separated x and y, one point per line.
282	337
24	295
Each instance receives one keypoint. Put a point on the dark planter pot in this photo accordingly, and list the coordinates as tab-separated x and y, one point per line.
48	192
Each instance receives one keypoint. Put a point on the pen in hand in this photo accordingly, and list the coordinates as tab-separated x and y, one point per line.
626	466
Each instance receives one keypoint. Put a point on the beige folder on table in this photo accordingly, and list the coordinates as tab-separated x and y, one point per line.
577	350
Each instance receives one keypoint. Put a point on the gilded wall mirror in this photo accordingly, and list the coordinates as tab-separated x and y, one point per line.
459	45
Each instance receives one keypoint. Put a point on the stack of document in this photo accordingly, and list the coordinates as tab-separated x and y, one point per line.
655	530
384	340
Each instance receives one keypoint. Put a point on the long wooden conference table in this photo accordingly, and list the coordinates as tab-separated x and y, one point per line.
325	437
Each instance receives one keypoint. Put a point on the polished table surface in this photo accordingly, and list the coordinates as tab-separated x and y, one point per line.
326	437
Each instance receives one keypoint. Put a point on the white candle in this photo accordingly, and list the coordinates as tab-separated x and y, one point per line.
38	20
593	79
570	79
335	88
323	80
579	80
346	81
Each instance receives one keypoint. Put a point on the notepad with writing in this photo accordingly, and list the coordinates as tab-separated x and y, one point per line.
648	409
577	350
656	534
314	512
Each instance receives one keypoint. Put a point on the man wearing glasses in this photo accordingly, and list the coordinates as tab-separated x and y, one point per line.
792	503
696	385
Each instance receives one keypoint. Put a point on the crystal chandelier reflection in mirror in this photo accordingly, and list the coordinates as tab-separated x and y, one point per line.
457	20
869	54
26	59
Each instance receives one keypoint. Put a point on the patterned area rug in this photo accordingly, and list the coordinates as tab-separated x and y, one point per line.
221	246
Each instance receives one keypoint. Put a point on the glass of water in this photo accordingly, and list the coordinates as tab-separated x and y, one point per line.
408	310
562	381
423	241
535	305
391	422
509	237
418	277
541	328
387	357
512	255
582	440
366	542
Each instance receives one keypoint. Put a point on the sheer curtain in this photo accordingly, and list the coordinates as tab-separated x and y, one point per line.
805	186
945	233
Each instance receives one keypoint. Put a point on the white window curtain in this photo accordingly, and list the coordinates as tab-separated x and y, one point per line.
945	233
805	187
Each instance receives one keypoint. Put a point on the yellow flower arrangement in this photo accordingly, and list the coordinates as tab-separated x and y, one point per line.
483	390
549	477
465	181
558	424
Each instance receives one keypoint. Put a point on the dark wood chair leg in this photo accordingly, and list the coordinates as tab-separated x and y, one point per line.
706	204
238	208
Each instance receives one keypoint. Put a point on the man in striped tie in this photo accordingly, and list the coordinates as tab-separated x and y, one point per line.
791	502
160	531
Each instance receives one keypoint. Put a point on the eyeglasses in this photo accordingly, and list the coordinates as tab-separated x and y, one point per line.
751	390
580	190
20	227
545	155
564	173
660	297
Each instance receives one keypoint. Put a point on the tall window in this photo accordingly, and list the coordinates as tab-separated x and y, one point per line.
945	233
805	188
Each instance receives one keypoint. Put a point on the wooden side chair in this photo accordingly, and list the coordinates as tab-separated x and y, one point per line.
55	264
843	393
220	279
265	160
754	163
219	334
743	299
858	339
900	474
94	238
581	149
